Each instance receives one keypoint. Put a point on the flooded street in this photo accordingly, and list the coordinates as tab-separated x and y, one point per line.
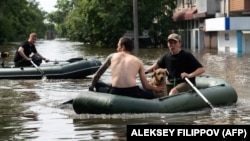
32	110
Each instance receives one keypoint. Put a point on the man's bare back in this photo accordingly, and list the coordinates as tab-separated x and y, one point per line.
124	68
130	66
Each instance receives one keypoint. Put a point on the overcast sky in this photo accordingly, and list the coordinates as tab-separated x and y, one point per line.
47	5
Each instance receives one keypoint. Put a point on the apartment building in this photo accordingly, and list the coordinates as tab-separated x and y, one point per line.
215	24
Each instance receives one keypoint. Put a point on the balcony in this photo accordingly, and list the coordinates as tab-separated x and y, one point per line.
185	14
239	5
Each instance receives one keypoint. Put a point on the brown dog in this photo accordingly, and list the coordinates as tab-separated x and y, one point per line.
5	55
159	79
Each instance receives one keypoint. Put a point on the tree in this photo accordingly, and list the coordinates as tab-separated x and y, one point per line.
58	17
18	18
102	23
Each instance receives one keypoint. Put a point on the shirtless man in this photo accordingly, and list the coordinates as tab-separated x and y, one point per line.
124	68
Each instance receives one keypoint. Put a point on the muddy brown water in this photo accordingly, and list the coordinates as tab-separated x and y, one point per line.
29	108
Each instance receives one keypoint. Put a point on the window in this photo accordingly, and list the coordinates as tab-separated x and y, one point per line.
226	36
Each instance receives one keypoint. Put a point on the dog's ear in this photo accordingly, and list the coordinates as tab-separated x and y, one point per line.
154	73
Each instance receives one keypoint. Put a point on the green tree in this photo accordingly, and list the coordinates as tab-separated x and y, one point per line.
99	22
18	18
58	17
102	23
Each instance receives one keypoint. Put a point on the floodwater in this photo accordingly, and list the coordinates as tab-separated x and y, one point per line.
31	110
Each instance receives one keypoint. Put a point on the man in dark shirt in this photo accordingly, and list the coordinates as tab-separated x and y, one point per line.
180	64
22	57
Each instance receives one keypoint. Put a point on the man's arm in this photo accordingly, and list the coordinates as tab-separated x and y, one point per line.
100	71
196	64
152	68
21	52
145	82
45	59
197	72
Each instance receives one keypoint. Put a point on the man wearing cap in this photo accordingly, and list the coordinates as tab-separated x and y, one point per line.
180	64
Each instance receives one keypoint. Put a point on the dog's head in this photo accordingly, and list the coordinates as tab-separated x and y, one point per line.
160	75
5	54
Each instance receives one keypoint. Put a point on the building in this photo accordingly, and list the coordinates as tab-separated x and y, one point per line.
215	24
50	35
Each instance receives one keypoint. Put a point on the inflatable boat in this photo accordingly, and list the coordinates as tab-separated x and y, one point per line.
217	91
74	68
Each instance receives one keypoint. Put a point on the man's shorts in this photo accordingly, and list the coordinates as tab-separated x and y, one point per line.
183	87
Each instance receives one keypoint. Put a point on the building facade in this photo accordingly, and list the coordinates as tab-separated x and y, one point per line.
214	24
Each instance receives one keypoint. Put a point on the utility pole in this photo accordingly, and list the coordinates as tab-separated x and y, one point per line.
135	17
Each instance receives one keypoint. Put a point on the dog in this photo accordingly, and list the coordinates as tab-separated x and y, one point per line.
4	55
159	79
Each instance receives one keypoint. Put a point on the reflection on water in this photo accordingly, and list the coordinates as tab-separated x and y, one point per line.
29	109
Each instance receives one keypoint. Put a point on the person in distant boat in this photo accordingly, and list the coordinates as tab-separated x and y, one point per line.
124	68
180	64
25	49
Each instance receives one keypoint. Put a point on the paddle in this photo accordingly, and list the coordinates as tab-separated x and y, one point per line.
67	102
70	60
40	70
199	93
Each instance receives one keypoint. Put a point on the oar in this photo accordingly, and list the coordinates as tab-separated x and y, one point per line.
40	70
199	93
67	102
70	60
64	103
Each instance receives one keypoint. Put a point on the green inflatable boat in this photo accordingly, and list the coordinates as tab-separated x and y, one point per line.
74	68
217	91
